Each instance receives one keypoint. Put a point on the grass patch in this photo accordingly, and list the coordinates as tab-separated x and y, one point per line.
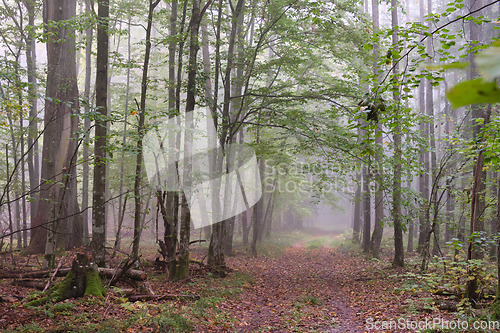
324	241
277	243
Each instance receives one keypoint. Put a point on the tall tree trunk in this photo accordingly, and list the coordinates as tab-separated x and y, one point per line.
33	164
182	270
172	197
396	194
432	141
378	228
100	149
86	125
424	223
122	206
479	186
59	147
216	247
140	132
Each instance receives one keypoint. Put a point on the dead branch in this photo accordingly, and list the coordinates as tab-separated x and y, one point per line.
147	297
133	274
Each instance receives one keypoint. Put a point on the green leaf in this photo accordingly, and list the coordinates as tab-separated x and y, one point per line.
453	65
488	62
473	92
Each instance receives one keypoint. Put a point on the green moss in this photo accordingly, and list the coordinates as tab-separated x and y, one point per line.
93	284
56	293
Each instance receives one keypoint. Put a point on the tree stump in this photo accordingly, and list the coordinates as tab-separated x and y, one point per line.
82	280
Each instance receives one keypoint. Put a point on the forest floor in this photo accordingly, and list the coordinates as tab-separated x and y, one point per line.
314	285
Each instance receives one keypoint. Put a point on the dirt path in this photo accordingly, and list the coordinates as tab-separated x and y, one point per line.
301	290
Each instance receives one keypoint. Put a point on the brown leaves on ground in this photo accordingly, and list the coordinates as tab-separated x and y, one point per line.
300	290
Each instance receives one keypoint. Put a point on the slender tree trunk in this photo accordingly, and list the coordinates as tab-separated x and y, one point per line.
423	159
15	179
100	147
182	270
122	207
172	197
33	164
140	131
366	207
496	305
396	194
86	125
411	224
479	186
378	228
432	141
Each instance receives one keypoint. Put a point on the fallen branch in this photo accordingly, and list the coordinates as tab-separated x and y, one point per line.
122	271
54	274
29	283
147	297
133	274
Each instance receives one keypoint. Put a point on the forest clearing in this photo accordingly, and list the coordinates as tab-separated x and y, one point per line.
250	166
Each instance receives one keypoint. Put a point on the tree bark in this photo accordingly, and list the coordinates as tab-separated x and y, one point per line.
366	207
479	186
423	159
33	163
100	147
182	269
59	146
140	131
396	194
378	228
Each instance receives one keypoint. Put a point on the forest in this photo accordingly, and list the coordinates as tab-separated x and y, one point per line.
249	166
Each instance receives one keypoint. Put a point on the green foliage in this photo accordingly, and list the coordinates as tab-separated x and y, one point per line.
476	91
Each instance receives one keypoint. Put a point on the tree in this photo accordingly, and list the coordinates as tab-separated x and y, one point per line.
100	147
479	184
58	210
33	154
140	131
87	123
379	193
397	188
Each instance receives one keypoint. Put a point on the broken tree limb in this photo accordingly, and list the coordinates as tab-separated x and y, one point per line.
147	297
133	274
121	271
29	283
54	274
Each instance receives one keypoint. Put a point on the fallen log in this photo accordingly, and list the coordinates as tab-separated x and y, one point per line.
29	283
133	274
